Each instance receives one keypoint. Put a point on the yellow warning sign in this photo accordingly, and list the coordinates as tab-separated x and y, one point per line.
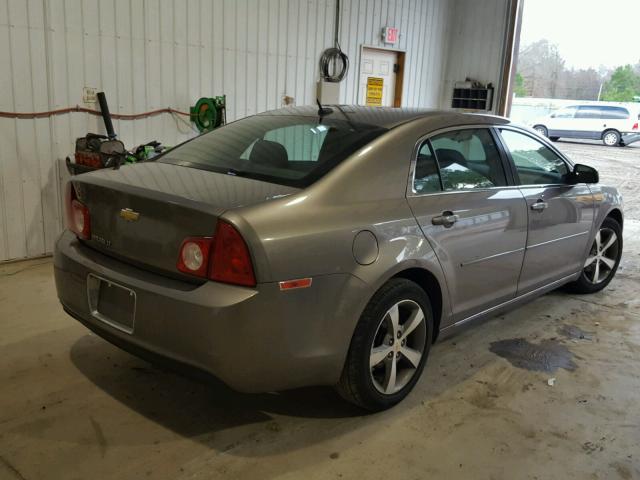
374	91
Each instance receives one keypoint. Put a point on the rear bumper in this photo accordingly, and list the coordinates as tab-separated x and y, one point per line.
629	138
253	339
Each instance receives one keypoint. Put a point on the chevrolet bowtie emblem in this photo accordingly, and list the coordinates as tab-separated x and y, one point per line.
129	215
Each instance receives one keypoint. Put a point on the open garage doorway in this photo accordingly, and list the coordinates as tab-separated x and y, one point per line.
380	77
577	74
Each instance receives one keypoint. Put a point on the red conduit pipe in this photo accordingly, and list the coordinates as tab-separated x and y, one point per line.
117	116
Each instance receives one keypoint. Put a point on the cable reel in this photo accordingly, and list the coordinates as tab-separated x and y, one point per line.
209	113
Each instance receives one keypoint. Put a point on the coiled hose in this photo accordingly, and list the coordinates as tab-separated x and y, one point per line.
334	54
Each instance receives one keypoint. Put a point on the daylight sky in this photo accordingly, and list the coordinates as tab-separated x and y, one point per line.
589	33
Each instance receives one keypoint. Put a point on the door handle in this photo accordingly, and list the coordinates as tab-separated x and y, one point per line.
447	219
539	205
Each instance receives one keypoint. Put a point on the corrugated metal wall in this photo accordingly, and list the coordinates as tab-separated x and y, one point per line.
149	54
423	28
476	44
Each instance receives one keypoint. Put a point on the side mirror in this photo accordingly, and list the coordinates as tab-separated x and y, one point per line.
583	174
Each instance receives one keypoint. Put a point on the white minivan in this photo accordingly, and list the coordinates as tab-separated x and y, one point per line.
613	124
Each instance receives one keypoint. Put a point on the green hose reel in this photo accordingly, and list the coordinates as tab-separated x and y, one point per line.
209	113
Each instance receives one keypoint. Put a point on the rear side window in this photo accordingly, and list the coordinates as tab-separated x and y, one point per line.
535	163
614	113
427	175
602	113
285	149
459	160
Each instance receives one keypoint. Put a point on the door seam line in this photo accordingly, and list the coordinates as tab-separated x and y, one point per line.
526	242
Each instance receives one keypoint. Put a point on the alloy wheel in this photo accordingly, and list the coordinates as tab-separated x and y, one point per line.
398	346
602	256
611	138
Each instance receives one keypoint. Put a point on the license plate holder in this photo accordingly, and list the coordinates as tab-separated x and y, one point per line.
111	303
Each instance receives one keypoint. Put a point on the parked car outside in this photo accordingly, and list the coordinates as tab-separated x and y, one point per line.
298	247
615	125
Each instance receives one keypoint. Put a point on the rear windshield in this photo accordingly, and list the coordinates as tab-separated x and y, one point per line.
289	150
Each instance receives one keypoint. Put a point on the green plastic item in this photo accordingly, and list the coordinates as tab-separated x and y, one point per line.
209	113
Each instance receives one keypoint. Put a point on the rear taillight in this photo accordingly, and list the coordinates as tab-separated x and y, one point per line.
194	256
78	216
223	258
635	126
231	261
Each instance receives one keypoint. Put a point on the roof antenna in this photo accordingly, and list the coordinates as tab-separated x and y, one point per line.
323	110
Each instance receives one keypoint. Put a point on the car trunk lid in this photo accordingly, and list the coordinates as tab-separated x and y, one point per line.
142	213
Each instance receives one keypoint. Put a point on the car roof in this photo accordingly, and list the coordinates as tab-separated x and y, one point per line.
618	105
390	117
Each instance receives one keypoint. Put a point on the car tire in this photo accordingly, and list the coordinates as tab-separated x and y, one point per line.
554	139
611	138
602	255
542	130
375	357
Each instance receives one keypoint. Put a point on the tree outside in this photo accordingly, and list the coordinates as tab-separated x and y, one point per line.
623	86
518	89
542	73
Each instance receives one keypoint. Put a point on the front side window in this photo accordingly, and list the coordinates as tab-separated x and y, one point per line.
458	160
285	149
568	112
535	163
589	112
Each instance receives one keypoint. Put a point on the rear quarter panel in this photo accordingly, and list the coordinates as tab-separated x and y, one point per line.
312	232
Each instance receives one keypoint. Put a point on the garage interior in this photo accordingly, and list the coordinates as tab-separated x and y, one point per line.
74	406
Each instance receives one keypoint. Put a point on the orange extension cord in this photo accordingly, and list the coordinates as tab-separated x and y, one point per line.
116	116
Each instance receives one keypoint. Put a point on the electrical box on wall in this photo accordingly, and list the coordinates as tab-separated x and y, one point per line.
329	92
89	95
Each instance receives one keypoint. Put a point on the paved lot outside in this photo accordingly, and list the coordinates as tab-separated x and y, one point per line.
618	166
73	406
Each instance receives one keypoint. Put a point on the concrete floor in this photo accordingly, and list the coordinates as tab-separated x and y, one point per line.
73	407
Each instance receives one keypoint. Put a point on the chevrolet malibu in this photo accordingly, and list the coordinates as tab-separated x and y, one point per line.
330	247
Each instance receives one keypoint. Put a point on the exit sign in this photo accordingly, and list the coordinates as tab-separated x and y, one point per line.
390	35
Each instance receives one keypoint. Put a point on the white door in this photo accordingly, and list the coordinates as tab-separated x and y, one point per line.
377	77
589	122
562	122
